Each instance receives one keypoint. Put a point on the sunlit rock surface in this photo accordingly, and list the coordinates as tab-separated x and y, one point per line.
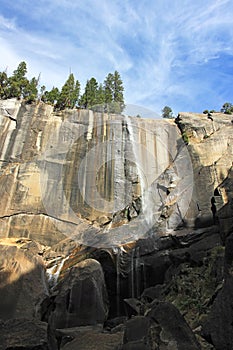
124	213
210	144
23	282
62	172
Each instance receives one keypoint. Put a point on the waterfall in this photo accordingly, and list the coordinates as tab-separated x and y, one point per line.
44	281
138	272
132	274
143	270
118	281
120	272
141	158
135	273
54	272
90	125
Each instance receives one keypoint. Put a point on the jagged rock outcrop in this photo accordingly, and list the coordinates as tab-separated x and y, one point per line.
163	327
210	146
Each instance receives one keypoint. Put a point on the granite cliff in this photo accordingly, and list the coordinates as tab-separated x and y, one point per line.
113	230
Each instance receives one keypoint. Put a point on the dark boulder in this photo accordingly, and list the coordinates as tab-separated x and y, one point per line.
218	328
174	329
80	299
23	334
162	327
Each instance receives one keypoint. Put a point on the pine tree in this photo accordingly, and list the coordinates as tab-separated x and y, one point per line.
50	97
167	112
108	88
100	94
114	98
3	85
18	81
118	96
100	99
90	97
227	108
30	91
75	95
69	94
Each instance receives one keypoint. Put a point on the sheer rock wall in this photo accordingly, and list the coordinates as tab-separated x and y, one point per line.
75	172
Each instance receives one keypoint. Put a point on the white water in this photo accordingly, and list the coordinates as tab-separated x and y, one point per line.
119	252
144	178
54	272
90	125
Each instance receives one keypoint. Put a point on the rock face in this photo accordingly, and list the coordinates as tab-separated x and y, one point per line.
210	146
62	171
126	213
22	279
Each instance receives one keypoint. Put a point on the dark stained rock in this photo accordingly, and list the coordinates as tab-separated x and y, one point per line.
23	334
137	329
156	266
174	329
81	298
88	338
218	328
115	322
175	332
163	327
135	346
136	334
151	293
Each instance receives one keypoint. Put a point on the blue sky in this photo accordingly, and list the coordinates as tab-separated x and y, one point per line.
168	52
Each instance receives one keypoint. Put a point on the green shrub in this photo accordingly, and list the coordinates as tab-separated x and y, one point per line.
185	137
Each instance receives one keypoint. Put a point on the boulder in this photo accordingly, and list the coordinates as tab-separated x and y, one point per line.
137	330
218	327
94	340
23	334
174	330
162	327
80	299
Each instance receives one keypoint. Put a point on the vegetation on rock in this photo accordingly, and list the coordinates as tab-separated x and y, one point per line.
227	108
167	112
106	97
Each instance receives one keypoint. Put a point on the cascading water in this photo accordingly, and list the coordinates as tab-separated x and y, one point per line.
121	271
139	155
118	285
54	272
135	273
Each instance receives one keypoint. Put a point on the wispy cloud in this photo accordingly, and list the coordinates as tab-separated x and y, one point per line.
6	23
167	53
